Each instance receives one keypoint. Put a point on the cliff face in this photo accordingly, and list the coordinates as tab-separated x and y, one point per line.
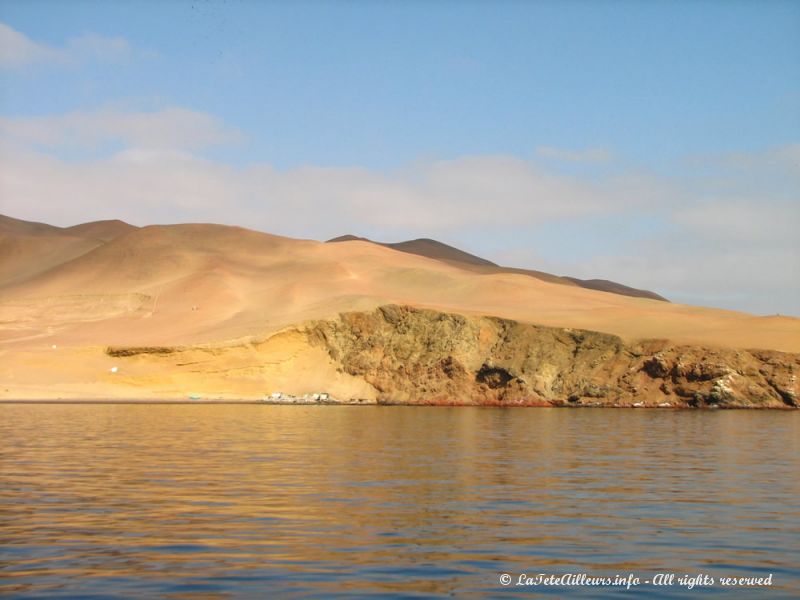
420	356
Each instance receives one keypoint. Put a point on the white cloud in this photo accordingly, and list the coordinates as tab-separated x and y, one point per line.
587	155
18	51
742	221
781	157
167	128
153	161
92	46
307	201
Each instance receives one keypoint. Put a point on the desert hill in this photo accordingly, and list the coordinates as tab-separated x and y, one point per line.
235	302
101	230
204	282
28	248
440	251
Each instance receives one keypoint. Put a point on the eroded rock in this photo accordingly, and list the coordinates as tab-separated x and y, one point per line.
413	355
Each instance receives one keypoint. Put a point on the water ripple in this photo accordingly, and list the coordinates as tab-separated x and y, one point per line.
242	501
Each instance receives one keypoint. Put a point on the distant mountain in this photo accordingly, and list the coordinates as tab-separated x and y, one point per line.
604	285
440	251
426	247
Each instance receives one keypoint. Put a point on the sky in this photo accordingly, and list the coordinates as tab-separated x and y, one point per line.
656	144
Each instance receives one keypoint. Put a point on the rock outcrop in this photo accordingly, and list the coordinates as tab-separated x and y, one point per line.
417	356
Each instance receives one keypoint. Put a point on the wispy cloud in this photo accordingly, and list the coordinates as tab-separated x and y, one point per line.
176	128
786	157
94	47
18	51
586	155
745	220
307	201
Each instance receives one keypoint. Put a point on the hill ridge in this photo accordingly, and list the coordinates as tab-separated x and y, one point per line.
441	251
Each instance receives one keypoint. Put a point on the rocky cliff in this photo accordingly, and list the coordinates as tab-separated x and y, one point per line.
416	356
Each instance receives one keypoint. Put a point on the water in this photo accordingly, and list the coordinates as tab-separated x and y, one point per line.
239	501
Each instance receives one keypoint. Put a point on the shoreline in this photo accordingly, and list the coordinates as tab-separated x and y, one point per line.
402	355
244	401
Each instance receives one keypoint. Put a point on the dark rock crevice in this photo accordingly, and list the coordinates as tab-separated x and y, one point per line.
493	377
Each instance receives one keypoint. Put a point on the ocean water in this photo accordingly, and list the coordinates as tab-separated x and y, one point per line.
254	501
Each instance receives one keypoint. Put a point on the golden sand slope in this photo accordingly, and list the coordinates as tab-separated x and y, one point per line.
198	284
27	248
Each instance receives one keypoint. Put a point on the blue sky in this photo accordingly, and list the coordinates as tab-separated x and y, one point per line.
613	139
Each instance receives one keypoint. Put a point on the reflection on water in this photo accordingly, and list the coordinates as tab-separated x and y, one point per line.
290	501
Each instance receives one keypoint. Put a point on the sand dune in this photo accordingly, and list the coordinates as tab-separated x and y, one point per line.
100	230
197	283
24	256
12	226
28	248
